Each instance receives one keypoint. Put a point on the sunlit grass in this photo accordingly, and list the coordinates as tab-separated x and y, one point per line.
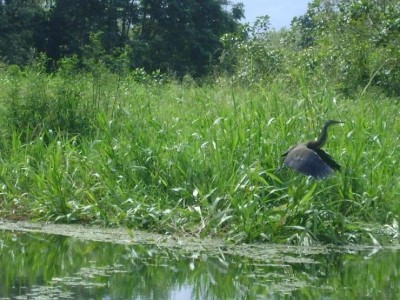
205	160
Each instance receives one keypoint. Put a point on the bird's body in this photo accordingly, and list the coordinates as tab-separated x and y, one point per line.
309	159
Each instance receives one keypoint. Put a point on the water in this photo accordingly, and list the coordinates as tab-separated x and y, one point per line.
44	266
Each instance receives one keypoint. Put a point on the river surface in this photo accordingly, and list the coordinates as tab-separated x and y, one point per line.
43	261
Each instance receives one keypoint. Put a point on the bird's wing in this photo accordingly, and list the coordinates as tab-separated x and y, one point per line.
328	159
306	161
286	153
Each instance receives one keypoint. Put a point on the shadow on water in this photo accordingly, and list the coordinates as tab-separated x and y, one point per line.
43	266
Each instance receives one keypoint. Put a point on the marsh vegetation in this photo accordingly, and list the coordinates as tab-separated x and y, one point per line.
84	142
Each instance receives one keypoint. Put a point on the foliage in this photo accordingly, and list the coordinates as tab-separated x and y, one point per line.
352	45
251	55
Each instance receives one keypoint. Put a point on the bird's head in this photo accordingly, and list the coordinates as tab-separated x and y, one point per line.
331	122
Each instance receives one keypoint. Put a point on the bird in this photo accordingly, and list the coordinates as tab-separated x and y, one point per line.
309	159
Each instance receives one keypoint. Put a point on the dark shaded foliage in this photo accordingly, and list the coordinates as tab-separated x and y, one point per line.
181	37
23	26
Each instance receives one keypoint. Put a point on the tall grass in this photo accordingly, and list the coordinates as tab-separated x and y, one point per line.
178	157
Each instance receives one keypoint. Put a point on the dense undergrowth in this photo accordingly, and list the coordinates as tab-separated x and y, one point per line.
170	156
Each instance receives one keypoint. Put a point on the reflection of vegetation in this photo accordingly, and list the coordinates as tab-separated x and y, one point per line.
80	269
361	275
93	269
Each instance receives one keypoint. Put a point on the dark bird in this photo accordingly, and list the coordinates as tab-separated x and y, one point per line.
309	159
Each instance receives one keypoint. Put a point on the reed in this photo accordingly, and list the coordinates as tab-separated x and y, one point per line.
202	159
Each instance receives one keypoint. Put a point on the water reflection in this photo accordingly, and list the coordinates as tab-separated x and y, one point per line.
42	266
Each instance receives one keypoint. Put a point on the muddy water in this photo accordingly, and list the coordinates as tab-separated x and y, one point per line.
39	261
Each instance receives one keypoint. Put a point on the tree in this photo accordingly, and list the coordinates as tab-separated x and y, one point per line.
354	43
72	23
22	30
182	37
177	36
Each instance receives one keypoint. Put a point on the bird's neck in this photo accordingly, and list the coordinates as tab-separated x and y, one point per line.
322	139
315	144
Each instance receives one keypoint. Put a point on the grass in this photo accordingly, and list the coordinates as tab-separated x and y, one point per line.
178	157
